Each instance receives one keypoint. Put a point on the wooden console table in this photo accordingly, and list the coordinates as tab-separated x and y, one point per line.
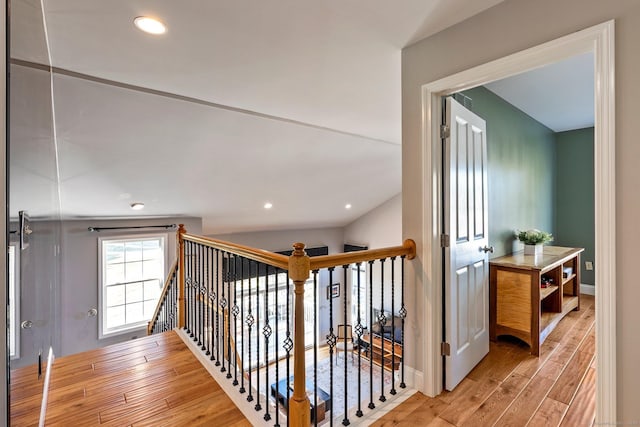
383	351
519	306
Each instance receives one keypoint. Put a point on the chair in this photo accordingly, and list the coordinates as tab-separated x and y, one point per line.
344	342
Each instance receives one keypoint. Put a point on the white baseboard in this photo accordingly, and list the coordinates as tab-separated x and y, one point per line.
414	378
587	289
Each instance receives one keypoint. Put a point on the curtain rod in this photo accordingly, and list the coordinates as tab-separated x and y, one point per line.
98	229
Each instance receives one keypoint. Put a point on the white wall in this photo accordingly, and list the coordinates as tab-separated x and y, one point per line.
283	240
509	27
378	228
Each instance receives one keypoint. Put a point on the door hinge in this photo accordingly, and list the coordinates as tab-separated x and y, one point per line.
444	131
445	349
444	240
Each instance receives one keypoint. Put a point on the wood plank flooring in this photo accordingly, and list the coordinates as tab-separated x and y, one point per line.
151	381
512	388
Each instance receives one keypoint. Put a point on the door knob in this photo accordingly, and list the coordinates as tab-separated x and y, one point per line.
487	249
27	324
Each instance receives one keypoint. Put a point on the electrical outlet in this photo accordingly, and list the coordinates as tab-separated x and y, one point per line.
588	265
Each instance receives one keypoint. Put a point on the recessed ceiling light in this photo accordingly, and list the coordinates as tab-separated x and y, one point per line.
347	206
268	205
137	206
150	25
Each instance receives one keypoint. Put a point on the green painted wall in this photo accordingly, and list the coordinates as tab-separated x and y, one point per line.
574	213
521	156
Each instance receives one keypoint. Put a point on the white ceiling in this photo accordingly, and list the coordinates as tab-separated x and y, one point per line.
292	102
560	95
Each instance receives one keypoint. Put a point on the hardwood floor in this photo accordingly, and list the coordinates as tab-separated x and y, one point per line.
156	381
152	381
512	388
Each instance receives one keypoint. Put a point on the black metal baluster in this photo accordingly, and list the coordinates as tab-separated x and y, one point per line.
359	331
315	347
227	315
403	315
331	341
194	315
393	326
371	404
226	265
187	287
277	338
174	300
215	304
196	294
258	407
266	331
201	297
208	275
345	270
242	335
288	343
235	310
250	321
383	322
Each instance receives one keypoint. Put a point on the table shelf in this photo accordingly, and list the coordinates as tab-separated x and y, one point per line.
519	306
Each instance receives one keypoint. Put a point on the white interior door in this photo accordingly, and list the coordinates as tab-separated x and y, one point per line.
466	259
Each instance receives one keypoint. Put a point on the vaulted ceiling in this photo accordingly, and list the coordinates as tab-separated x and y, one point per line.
240	103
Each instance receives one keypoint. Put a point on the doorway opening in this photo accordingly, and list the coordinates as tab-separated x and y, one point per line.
599	40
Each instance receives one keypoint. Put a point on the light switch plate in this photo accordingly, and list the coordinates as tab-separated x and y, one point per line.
588	265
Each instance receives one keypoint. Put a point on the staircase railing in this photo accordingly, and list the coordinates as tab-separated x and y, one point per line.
238	304
164	318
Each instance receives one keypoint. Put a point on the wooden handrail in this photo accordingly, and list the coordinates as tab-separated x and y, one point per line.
408	249
260	255
298	265
165	289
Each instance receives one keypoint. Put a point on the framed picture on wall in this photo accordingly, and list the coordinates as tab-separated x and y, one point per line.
333	291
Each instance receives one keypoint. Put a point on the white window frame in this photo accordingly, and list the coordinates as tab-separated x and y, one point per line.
364	301
102	334
13	260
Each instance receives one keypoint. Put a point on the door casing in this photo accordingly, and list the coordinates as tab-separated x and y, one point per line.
598	39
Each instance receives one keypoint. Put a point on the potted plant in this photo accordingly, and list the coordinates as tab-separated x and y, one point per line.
533	240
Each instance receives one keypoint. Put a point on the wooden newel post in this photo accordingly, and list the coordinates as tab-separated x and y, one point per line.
181	307
299	405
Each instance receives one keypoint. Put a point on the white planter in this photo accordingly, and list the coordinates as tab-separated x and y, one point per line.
533	250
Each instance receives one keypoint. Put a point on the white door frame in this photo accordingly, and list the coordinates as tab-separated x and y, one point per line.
598	39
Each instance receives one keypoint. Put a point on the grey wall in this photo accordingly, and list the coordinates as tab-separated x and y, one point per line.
509	27
521	179
66	317
79	291
574	213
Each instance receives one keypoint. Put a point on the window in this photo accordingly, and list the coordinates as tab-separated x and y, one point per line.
277	313
14	308
361	272
131	279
